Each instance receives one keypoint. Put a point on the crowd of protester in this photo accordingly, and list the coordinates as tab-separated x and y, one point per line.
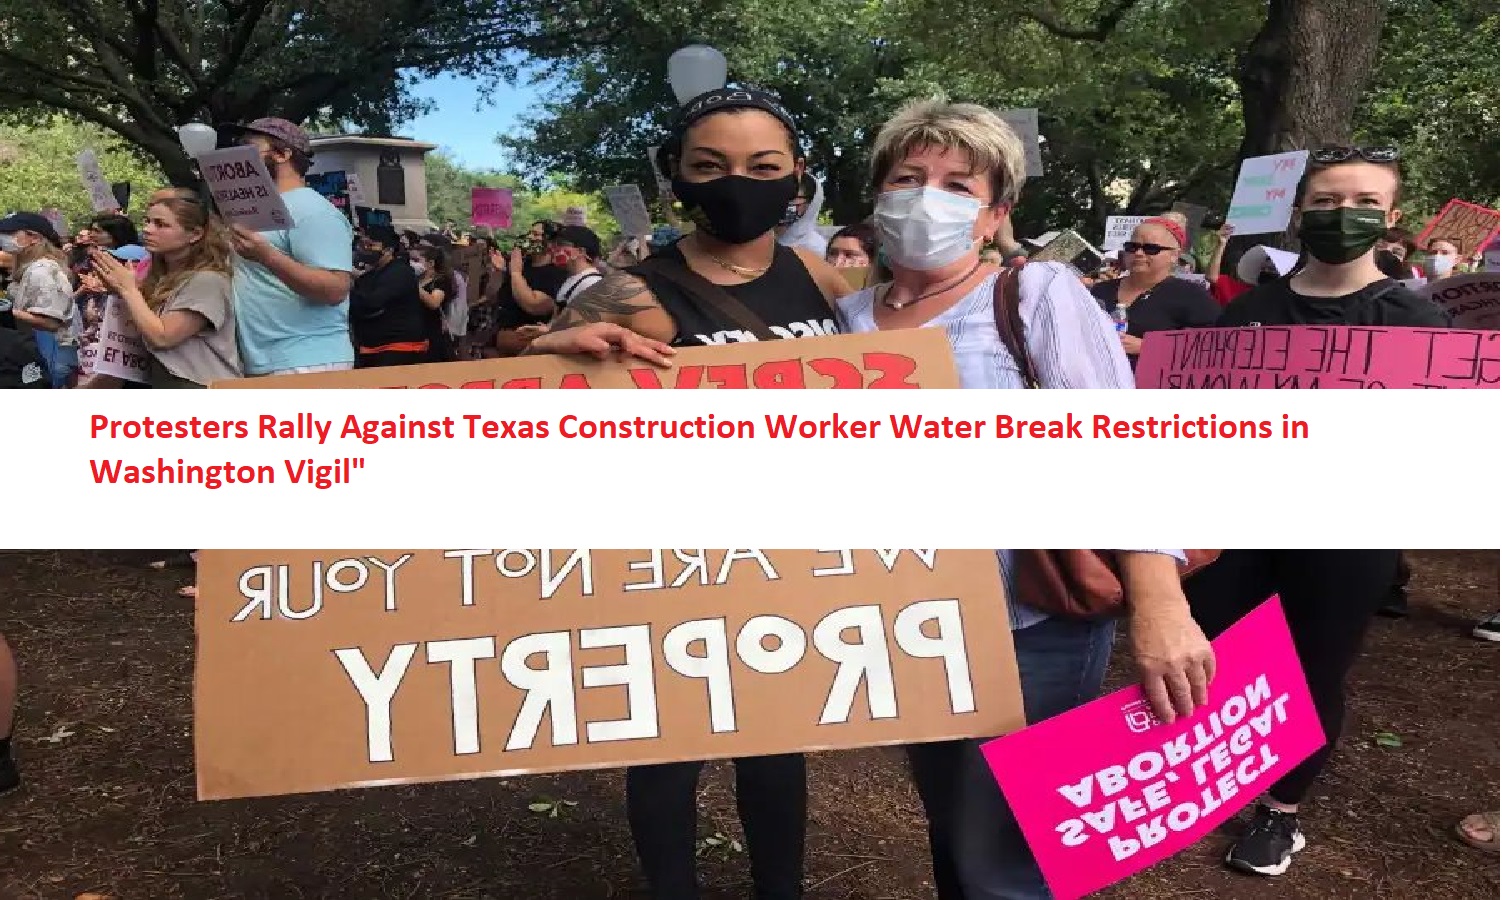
214	301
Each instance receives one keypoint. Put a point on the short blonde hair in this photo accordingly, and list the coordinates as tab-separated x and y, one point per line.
990	143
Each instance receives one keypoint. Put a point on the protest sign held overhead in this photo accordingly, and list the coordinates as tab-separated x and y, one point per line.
244	192
401	666
918	358
576	216
629	209
490	207
100	195
1263	200
1119	230
333	187
1106	790
1068	247
1471	300
1469	226
1318	357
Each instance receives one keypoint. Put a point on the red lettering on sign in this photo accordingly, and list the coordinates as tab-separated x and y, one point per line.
894	368
843	373
779	374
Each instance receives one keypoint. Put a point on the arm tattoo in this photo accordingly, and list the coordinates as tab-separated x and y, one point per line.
609	299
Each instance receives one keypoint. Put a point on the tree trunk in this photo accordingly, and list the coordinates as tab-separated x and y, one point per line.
1303	75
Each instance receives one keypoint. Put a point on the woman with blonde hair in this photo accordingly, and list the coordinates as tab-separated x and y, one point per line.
41	292
946	176
183	308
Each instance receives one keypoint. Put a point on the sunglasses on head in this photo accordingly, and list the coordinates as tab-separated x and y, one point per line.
1330	156
1148	249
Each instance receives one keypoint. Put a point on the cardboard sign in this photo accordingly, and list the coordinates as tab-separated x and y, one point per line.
914	358
401	666
490	207
243	190
1265	189
1025	123
1071	249
629	209
1296	357
575	216
1106	790
356	191
120	351
1468	226
1471	300
92	177
1119	230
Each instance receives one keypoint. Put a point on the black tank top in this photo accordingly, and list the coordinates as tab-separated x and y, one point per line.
785	298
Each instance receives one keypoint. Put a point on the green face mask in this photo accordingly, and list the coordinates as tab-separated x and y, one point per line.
1336	236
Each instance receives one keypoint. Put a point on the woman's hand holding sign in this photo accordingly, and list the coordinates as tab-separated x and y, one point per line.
1174	660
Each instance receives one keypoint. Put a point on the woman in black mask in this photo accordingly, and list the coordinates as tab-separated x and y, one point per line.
734	162
1347	201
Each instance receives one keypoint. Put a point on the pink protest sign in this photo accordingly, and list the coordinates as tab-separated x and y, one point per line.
1105	791
1318	356
490	207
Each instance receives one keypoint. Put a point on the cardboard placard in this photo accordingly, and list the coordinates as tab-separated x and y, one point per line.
664	186
490	207
1471	300
120	351
1106	790
1071	249
243	190
1281	357
1119	230
1469	226
629	208
1265	189
914	358
400	666
54	216
92	176
1025	123
575	215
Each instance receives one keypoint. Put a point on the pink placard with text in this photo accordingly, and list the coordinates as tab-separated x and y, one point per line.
1106	790
1318	356
490	207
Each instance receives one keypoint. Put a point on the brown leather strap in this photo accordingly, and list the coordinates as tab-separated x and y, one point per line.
1007	302
711	298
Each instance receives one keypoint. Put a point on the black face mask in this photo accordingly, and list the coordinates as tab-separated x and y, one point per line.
368	259
1340	235
734	208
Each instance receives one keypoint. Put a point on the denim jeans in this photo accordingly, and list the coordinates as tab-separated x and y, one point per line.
978	849
60	361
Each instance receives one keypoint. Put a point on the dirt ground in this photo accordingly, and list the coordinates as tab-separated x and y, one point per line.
108	805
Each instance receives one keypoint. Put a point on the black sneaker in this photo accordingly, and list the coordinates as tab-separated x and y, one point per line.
10	779
1488	629
1268	846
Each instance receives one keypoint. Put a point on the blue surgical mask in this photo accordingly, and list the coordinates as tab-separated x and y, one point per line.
8	243
926	228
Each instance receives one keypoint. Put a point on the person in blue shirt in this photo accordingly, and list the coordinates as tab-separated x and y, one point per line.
292	286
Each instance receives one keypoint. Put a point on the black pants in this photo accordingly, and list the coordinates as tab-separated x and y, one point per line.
1329	597
390	358
771	794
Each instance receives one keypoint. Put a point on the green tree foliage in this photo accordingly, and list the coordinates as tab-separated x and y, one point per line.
1434	95
139	68
38	168
450	183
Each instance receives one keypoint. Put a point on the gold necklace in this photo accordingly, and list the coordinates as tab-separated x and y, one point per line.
747	272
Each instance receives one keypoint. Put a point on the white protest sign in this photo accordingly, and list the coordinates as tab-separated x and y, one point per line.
1263	201
575	216
356	191
93	182
55	216
120	351
629	209
1119	230
243	190
1025	123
